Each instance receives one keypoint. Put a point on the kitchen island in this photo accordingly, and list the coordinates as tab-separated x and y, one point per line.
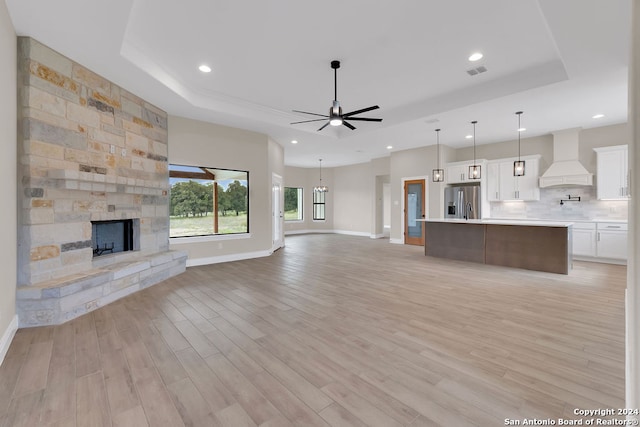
532	245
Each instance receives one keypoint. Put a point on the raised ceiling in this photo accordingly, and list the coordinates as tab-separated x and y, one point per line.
561	62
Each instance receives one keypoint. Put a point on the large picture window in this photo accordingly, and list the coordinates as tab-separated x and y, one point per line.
318	205
292	204
208	201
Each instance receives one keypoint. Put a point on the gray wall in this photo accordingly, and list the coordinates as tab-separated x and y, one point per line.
307	178
8	173
354	188
197	143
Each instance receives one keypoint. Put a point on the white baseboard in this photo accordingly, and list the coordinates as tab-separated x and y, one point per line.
7	337
346	232
600	260
292	232
227	258
353	233
396	241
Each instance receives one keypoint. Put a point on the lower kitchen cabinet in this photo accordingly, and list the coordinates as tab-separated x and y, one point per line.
584	239
600	241
611	240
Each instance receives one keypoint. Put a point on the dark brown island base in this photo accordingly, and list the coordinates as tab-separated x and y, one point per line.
540	246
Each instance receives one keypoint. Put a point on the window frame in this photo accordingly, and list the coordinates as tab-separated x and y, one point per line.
300	205
322	203
211	236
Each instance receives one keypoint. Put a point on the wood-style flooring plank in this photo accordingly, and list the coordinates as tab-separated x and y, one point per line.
92	405
34	372
209	385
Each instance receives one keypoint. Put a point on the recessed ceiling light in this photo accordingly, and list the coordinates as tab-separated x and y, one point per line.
294	142
469	136
521	129
598	116
204	68
475	56
389	147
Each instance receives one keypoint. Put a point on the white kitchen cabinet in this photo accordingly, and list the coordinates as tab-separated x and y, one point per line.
502	185
584	239
611	240
459	171
612	173
493	181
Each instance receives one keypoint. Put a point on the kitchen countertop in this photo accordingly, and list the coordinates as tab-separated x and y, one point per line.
621	221
491	221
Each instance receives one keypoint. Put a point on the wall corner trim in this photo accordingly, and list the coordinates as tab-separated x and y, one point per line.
396	241
7	337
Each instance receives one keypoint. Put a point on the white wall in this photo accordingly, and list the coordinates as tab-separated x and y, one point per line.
307	178
197	143
415	163
8	173
354	189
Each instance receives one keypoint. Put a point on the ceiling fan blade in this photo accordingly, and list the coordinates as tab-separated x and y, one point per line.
313	114
364	110
324	126
365	119
307	121
349	125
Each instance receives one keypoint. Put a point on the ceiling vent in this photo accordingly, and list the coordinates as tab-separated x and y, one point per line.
477	70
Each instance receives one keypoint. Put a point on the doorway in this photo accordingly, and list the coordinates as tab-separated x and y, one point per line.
414	195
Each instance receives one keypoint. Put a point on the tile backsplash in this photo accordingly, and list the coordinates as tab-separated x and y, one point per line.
548	207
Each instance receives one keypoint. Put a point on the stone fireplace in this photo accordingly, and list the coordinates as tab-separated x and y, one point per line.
94	220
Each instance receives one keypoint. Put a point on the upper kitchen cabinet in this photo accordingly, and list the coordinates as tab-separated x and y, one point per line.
458	172
612	172
502	185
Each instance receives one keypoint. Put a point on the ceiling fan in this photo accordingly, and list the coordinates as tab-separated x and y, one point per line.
335	117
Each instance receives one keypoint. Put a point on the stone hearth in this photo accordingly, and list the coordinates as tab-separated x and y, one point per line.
88	151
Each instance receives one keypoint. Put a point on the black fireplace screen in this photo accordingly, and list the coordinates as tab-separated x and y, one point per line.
109	237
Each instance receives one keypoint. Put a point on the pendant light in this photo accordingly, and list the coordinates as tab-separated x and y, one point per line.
475	171
518	165
438	174
320	188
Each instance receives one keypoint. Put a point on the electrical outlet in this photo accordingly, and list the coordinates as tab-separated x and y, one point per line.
124	152
112	149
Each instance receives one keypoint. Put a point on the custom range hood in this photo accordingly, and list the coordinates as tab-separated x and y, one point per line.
566	169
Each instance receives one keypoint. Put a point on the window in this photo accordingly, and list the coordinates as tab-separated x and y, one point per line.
318	205
292	204
207	201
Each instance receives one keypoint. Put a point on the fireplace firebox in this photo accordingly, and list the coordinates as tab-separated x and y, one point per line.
110	237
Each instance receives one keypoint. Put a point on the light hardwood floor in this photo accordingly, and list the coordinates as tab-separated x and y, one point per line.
330	330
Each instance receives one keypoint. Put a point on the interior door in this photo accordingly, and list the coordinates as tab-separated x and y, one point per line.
414	195
277	213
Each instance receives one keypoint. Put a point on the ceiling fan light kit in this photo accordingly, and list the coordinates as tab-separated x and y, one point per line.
335	117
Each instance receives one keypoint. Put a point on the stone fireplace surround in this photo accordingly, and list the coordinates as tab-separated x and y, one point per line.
88	150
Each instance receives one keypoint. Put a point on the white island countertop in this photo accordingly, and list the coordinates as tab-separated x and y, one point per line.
489	221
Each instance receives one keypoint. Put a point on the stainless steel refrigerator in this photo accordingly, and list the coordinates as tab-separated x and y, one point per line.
462	201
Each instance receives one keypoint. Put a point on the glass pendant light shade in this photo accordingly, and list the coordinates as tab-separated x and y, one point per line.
518	165
518	168
437	175
475	171
320	188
